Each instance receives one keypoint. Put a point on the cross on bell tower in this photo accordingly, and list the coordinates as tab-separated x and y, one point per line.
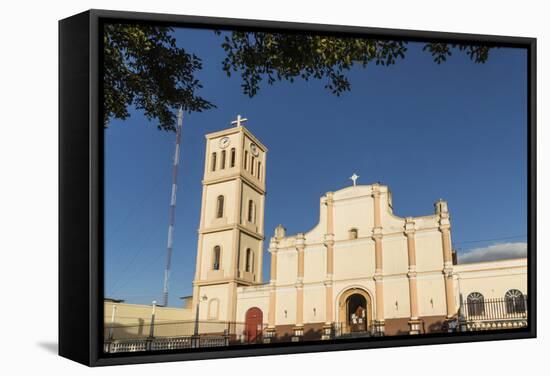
239	120
354	178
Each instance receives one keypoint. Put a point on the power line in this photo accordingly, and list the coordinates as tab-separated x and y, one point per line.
153	262
122	273
138	206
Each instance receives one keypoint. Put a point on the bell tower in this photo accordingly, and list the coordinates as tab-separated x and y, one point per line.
231	230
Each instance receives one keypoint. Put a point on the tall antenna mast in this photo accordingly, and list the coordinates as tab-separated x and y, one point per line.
172	211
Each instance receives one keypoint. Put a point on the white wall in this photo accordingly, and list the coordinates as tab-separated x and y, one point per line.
248	297
225	240
286	306
219	292
431	294
354	259
254	244
426	259
228	191
315	264
396	297
257	223
491	279
314	303
287	266
395	255
353	213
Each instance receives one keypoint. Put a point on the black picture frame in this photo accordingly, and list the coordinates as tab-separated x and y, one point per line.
81	188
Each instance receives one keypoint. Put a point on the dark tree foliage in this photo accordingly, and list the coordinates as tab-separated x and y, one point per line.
440	51
277	57
145	68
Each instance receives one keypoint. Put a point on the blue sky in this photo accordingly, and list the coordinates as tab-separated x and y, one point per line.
455	131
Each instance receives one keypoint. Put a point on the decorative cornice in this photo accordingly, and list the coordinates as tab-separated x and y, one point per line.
409	227
377	233
223	281
444	226
273	244
329	243
329	281
448	272
300	241
247	231
343	241
375	190
233	130
253	138
236	176
329	240
223	132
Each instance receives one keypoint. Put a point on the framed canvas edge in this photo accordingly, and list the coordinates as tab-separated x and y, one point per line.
221	22
74	272
95	257
287	349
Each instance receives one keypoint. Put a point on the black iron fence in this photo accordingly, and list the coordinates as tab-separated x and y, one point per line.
491	314
494	309
480	314
172	335
164	343
344	329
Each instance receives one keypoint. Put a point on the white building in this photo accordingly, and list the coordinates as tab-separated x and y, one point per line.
361	269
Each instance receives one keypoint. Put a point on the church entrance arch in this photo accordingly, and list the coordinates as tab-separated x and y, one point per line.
254	325
355	311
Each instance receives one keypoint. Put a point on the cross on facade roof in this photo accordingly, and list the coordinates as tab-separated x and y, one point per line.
354	179
239	120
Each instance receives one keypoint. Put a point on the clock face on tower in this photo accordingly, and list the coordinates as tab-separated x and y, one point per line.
254	149
224	142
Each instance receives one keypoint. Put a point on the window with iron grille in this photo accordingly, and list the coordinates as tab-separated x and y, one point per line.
515	301
476	304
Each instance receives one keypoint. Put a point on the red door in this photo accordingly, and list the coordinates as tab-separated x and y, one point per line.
254	324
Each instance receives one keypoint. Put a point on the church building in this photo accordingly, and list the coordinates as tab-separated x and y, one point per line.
361	269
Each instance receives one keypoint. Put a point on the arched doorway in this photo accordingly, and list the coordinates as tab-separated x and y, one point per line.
355	311
254	325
